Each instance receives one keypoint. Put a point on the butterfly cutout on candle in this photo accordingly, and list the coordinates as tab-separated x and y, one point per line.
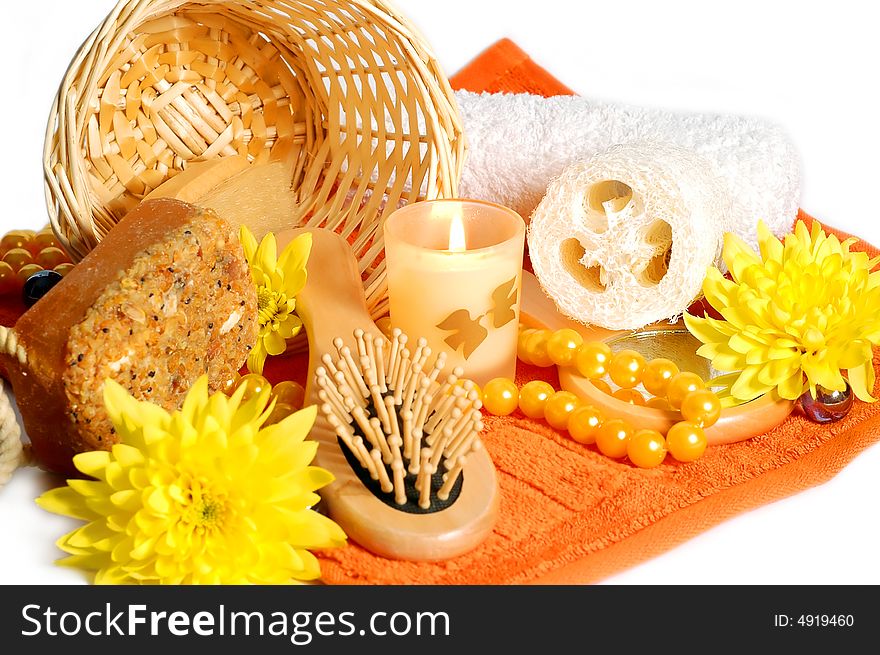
468	333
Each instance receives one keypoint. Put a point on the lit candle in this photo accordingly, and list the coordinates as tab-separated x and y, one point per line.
454	278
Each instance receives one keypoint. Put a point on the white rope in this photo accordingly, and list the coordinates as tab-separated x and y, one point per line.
12	452
9	345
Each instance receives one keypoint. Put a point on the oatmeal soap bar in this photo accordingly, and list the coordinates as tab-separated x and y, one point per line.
166	297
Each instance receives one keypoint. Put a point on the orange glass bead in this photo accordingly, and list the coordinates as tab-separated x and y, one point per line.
18	257
536	347
603	386
686	442
701	407
533	397
229	386
583	423
63	269
612	438
659	403
27	270
563	346
385	327
630	396
657	374
472	388
522	351
43	239
280	412
9	281
16	239
253	385
49	258
559	408
646	449
289	393
626	368
680	386
592	359
500	397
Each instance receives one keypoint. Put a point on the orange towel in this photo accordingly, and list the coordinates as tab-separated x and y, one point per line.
505	68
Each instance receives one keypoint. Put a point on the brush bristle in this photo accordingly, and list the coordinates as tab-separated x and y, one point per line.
386	405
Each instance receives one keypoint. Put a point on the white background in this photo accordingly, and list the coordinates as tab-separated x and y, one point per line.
812	67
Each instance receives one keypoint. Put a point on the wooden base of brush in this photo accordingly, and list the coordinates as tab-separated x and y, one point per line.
332	305
736	423
394	534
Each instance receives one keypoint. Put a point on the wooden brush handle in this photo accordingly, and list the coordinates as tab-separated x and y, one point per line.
332	304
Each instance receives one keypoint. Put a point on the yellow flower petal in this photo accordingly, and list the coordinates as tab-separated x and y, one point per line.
274	343
717	288
738	255
67	502
127	456
88	488
87	535
771	248
726	359
266	255
855	353
293	262
299	424
705	329
92	463
257	359
248	242
861	379
290	328
793	387
747	386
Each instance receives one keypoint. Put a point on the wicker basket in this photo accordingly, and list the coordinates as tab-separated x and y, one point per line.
344	90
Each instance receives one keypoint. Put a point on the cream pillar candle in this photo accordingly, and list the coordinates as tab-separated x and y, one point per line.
454	278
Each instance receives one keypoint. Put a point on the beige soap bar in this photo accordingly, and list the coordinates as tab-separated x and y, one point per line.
256	195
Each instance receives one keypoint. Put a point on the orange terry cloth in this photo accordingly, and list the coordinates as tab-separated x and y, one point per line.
506	68
569	514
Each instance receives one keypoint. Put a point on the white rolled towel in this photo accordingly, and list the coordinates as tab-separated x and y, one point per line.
519	142
624	239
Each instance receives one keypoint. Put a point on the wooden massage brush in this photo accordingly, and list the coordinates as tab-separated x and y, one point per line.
413	481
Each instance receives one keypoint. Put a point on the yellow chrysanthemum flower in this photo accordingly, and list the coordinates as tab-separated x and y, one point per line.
278	282
203	495
794	317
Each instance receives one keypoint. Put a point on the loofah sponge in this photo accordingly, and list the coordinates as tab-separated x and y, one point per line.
624	239
519	143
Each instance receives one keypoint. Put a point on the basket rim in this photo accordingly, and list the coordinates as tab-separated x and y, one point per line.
70	202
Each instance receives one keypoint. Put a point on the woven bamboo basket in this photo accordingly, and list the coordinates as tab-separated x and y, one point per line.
345	90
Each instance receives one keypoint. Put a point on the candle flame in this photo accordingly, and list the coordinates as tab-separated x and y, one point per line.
457	237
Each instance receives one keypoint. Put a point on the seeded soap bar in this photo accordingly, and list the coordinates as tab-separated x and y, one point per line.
165	298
